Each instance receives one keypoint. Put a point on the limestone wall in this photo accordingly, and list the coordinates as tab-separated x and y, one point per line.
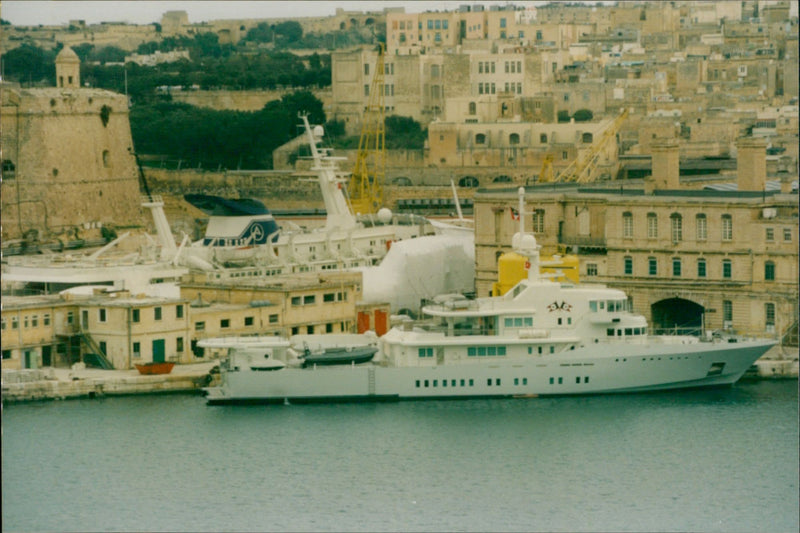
74	168
240	100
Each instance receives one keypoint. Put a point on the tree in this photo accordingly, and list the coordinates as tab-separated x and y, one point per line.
28	63
563	115
583	115
404	133
291	30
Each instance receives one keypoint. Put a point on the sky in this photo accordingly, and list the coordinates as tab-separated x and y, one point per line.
55	12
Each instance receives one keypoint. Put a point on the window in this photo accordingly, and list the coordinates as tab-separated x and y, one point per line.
564	155
70	317
135	315
652	266
701	268
309	299
502	23
6	354
543	138
366	69
273	319
329	297
103	347
248	321
425	352
627	225
727	228
473	108
676	226
676	267
101	315
480	138
434	71
727	269
14	322
538	221
591	270
157	313
513	138
225	323
702	227
769	271
770	234
296	300
538	35
179	344
366	90
137	349
179	311
199	326
652	226
628	265
787	234
769	316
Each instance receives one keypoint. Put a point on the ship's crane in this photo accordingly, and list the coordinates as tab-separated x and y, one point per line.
365	188
584	167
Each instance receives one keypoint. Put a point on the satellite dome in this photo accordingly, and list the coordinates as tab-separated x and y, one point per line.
385	215
319	131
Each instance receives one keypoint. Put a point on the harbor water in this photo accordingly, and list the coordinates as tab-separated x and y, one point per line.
704	460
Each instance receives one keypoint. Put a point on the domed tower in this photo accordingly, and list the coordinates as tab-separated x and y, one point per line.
68	69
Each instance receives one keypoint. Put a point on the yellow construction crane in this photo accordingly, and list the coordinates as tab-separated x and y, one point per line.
583	168
365	188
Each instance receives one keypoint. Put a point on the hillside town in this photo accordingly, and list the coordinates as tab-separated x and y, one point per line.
656	144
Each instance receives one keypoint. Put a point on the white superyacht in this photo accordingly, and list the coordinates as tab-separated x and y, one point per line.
540	338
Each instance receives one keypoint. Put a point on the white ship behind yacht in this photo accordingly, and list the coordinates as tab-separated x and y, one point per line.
243	239
541	338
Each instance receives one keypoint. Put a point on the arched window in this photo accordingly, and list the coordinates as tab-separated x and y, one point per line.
468	181
676	227
727	228
702	227
480	138
652	226
627	225
513	138
586	138
473	109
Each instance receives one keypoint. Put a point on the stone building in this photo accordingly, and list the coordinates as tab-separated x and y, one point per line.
122	330
713	258
68	162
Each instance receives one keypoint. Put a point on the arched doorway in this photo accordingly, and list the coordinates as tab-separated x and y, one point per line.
677	314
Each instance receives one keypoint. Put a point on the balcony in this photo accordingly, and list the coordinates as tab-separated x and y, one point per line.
584	244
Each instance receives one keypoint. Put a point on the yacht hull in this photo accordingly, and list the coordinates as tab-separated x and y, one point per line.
589	370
